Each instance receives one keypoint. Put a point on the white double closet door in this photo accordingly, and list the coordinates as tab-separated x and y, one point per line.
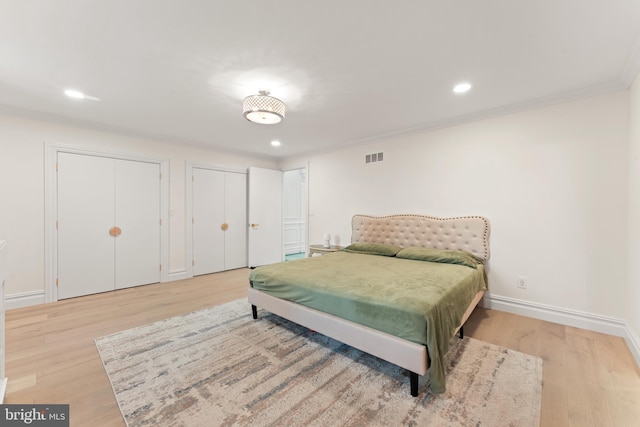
219	222
108	224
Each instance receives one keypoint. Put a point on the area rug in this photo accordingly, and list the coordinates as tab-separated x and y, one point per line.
219	367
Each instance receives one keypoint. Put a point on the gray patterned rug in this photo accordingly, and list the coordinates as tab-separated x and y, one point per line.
219	367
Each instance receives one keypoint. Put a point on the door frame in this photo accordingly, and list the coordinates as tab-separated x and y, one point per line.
188	209
51	208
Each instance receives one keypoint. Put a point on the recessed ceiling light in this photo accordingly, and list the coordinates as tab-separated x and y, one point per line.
275	143
76	94
462	87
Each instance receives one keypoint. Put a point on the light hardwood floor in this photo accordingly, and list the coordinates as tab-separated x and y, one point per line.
590	379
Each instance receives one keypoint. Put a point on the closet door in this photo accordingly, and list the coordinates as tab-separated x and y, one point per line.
235	204
86	251
108	224
137	215
208	219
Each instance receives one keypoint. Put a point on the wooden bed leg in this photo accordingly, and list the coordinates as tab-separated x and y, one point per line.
461	332
413	378
254	311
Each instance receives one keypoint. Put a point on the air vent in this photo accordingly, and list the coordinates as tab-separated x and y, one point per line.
374	158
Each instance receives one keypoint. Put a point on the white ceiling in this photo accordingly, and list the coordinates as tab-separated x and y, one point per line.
348	71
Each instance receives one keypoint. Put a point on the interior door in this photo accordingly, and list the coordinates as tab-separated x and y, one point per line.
137	215
235	206
265	216
86	251
208	219
294	211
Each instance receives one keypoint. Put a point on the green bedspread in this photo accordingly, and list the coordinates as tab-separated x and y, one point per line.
419	301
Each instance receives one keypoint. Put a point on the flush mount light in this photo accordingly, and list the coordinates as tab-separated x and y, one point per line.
76	94
275	143
462	87
263	109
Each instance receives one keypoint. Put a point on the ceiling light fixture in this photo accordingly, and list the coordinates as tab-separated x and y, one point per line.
462	87
275	143
263	109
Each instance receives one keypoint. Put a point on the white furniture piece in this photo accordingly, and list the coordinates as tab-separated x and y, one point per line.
320	249
3	276
470	233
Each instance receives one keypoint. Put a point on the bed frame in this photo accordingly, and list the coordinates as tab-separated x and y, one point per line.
469	233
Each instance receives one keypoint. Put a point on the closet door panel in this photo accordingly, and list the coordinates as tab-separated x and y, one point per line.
208	219
85	252
137	215
236	217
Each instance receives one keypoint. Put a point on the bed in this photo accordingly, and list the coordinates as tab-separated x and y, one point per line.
397	278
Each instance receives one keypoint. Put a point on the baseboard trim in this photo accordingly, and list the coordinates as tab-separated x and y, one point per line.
634	344
24	299
564	316
177	274
578	319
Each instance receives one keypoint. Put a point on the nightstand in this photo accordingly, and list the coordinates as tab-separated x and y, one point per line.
320	249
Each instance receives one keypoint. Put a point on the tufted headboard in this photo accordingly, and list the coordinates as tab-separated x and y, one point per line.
468	233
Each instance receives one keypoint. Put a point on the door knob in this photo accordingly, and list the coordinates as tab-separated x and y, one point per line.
224	226
115	231
255	225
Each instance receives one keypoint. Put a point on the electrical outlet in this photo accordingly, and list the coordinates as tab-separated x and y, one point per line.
521	282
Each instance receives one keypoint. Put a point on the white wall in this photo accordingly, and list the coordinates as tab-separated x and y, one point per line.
552	181
22	187
633	295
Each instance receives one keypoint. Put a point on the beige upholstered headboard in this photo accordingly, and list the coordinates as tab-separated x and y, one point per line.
468	233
